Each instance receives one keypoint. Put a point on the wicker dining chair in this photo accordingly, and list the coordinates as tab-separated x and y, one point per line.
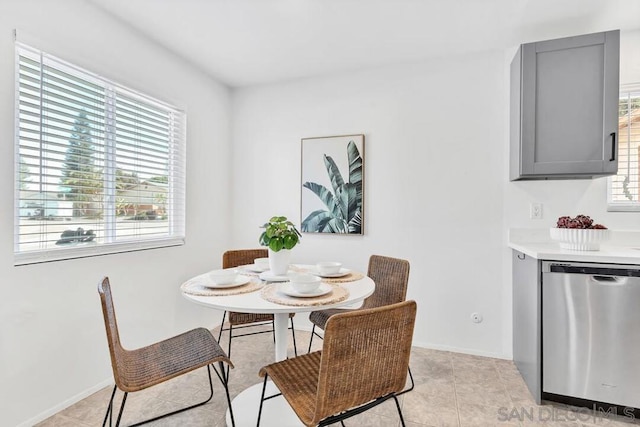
236	258
363	362
135	370
391	277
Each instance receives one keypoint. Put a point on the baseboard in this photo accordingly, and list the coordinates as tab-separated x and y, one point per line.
473	352
63	405
432	346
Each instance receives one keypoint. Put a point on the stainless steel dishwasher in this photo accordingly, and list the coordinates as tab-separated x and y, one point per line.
591	331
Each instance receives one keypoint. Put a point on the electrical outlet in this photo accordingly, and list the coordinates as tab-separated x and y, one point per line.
535	211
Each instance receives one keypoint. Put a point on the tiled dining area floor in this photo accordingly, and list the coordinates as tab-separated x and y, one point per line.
452	389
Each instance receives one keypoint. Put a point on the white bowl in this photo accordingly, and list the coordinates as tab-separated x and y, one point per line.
329	267
223	277
303	277
580	239
305	283
261	262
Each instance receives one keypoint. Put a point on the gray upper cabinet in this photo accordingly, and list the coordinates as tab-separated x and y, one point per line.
564	107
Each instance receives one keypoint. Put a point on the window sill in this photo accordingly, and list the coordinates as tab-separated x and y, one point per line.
624	208
91	249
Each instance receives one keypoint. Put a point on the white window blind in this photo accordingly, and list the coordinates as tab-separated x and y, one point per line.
624	188
99	168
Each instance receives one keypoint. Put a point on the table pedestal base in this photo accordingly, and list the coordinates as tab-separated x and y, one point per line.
276	412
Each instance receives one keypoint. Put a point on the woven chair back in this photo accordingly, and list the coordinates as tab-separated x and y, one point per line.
365	355
391	276
111	325
238	257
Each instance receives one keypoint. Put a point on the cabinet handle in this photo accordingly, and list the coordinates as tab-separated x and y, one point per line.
613	146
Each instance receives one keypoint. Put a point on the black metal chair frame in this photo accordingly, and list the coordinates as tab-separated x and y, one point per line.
224	379
338	417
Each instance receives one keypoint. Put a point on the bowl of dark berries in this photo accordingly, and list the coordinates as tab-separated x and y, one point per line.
579	233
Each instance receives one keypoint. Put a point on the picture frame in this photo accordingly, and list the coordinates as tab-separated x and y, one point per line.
332	185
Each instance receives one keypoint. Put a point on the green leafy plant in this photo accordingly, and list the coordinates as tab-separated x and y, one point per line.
343	213
279	234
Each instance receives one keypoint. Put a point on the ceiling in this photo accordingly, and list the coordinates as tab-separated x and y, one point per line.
248	42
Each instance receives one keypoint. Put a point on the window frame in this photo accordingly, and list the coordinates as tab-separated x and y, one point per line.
176	172
631	206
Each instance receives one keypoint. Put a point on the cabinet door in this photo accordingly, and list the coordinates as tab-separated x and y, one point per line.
570	91
527	352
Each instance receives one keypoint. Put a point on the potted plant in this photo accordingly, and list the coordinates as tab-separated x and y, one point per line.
579	233
280	236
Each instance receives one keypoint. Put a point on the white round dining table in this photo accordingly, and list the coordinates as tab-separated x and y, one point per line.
276	411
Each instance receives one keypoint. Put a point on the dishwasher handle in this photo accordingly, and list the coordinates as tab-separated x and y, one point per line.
609	280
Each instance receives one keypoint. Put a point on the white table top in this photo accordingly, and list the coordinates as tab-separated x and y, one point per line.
252	302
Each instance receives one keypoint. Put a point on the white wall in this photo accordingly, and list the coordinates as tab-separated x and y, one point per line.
52	341
434	178
436	182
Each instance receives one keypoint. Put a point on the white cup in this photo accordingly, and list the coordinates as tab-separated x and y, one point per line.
262	263
329	267
304	283
223	277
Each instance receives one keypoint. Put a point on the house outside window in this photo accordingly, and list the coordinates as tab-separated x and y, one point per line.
624	188
99	168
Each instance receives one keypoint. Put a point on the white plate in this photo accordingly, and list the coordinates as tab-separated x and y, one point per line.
240	280
343	272
256	268
287	289
268	276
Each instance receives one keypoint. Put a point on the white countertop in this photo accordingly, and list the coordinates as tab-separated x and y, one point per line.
622	248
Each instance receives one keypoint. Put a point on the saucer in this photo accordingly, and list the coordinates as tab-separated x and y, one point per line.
343	272
268	276
240	280
256	268
287	289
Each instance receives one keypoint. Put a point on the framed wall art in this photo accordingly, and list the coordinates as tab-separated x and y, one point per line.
332	198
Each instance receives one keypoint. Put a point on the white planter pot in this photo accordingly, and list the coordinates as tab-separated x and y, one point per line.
579	239
279	261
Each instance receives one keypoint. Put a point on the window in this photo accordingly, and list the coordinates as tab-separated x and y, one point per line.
99	168
624	188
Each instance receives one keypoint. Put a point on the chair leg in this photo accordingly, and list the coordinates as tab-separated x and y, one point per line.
273	330
313	329
179	410
264	388
293	334
333	419
399	410
124	400
225	382
412	384
313	333
224	314
229	346
109	413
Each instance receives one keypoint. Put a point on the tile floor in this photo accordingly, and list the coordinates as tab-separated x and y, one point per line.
452	389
